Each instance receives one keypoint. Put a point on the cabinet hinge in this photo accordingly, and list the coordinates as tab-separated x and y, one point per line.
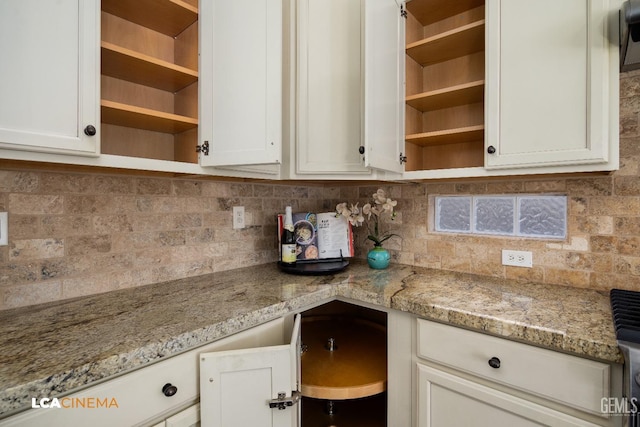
403	12
282	402
204	148
403	159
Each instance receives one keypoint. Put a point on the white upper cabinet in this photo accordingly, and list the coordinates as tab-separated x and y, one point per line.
49	90
241	82
313	89
328	87
504	87
345	92
384	42
551	87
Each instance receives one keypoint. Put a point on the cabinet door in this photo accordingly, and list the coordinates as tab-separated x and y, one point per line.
329	89
236	386
49	73
447	400
384	37
241	82
551	88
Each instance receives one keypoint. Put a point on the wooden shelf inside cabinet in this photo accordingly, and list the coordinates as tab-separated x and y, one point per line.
170	17
447	136
467	93
430	11
460	41
119	114
136	67
356	368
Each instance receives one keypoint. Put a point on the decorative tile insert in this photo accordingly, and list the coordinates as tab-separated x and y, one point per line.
526	216
494	215
453	214
542	216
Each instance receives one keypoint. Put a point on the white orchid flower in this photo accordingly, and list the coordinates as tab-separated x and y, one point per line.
358	220
389	205
366	210
357	216
379	197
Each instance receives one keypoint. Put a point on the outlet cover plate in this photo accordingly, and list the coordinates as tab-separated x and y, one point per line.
517	258
4	228
238	217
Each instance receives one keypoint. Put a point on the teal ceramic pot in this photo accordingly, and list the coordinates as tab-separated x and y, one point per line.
378	258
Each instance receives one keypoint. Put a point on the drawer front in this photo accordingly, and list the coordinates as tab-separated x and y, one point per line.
566	379
441	395
138	395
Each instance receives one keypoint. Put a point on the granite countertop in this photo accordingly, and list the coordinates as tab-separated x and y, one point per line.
53	349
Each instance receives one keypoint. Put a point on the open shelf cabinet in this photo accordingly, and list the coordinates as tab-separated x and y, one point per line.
445	49
149	53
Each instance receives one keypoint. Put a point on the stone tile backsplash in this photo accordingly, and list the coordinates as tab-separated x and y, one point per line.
75	234
80	233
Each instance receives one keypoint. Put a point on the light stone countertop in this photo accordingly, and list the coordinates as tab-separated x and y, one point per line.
53	349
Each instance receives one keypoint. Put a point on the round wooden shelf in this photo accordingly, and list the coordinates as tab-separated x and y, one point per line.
356	368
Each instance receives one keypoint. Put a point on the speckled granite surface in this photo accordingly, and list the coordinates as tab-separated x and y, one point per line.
53	349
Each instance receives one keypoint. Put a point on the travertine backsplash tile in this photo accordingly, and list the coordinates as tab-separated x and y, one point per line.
80	233
36	204
74	234
35	249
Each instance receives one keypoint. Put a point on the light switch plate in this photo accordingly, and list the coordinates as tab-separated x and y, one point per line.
4	228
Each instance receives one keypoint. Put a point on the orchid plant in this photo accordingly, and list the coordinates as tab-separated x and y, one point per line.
372	213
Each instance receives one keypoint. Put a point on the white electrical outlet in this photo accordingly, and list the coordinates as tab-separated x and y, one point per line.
238	217
4	228
517	258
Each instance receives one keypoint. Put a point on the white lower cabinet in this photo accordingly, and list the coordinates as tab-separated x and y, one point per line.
141	396
470	378
230	382
264	386
448	400
437	375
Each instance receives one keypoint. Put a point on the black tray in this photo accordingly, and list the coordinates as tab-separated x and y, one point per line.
315	268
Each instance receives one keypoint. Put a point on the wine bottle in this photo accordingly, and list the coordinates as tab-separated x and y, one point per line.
288	240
